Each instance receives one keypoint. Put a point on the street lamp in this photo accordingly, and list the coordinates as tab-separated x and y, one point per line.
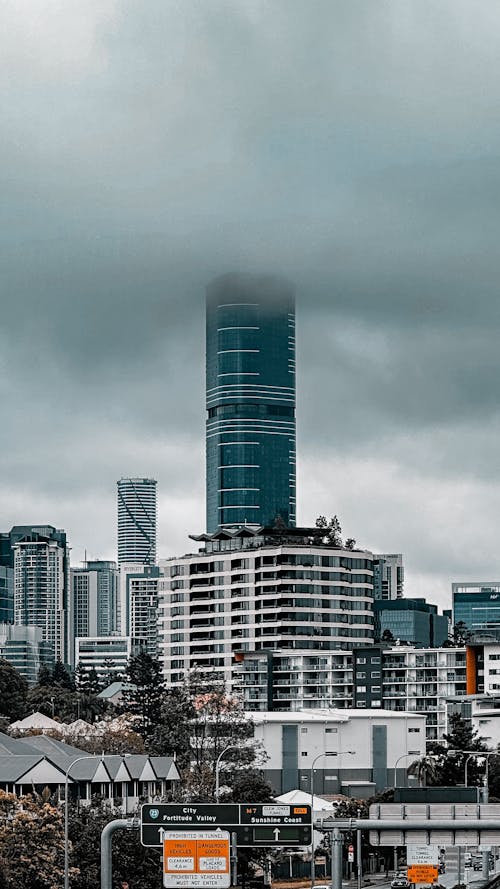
326	753
408	753
479	754
66	814
217	768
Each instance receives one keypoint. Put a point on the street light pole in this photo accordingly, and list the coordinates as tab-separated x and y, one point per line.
396	766
217	768
66	814
315	760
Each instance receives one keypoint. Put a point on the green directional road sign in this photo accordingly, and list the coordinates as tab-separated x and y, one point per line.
264	824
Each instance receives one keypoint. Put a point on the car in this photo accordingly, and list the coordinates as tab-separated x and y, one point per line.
400	881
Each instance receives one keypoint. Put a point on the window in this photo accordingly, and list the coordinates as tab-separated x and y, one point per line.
376	675
375	660
361	689
361	675
304	753
331	731
376	688
413	730
304	731
361	704
361	660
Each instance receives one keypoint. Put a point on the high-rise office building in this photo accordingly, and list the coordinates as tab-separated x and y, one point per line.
477	605
250	379
410	621
95	600
139	604
41	584
388	576
137	520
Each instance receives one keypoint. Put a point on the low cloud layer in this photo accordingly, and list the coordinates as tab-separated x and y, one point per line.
352	147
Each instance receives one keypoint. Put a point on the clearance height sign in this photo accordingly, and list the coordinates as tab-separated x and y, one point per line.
196	860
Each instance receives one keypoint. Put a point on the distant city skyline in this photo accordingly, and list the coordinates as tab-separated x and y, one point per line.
142	159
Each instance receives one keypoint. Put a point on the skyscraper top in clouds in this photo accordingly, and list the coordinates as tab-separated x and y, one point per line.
250	379
137	520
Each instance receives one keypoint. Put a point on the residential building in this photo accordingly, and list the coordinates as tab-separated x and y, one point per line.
411	621
6	594
368	677
141	606
413	680
107	655
95	600
330	739
35	763
41	584
249	590
250	389
477	605
388	576
137	520
25	649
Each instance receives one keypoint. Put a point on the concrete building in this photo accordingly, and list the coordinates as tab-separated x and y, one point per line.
412	680
139	603
108	656
137	511
95	600
250	383
388	576
25	649
42	584
477	605
399	679
257	589
359	749
411	621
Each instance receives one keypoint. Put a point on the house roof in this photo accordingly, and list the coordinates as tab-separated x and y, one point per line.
19	757
35	720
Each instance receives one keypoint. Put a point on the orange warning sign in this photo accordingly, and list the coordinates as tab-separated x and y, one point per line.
196	859
179	856
422	873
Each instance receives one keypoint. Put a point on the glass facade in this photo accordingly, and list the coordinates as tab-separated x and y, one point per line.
478	609
250	377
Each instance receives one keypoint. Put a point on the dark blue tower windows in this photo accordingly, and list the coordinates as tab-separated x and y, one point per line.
250	401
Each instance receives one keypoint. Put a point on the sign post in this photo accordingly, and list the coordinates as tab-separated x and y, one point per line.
422	864
196	859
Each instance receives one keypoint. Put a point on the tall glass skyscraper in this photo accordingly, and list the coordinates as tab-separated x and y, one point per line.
137	520
250	401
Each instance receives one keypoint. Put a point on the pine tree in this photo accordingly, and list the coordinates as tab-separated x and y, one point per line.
145	695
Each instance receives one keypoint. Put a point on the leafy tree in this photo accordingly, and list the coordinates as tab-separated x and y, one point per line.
387	636
172	734
145	692
131	861
451	766
31	842
459	636
250	786
333	529
13	692
350	543
109	742
53	701
219	724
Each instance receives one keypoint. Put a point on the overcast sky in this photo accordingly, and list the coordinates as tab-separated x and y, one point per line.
352	145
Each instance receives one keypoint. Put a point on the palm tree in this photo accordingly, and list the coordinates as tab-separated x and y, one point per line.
424	769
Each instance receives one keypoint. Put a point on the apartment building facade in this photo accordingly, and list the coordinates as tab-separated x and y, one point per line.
258	590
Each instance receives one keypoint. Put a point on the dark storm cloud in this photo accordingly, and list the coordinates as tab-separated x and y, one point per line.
351	147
